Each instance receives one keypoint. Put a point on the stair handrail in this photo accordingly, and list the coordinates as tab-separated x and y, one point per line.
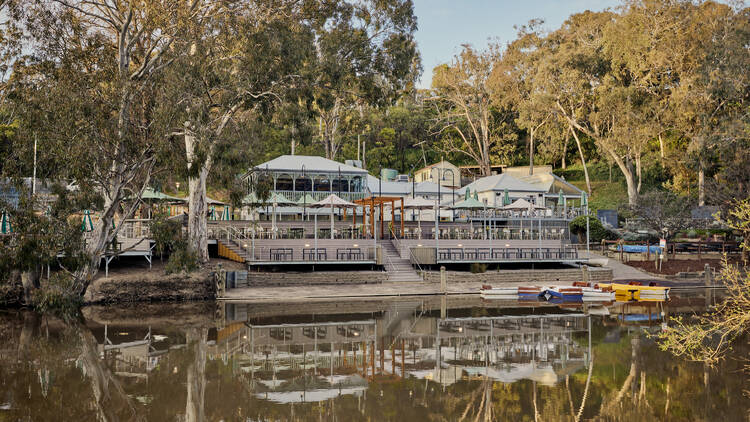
396	242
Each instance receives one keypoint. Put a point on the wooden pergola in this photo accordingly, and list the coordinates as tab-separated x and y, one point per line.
380	201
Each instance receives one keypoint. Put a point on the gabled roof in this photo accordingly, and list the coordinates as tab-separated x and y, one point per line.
500	182
403	188
443	162
311	163
550	183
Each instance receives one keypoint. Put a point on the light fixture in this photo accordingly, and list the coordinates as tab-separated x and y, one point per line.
419	246
307	245
507	245
460	245
355	245
244	246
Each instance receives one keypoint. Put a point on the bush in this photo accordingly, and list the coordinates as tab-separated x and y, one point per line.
597	231
477	268
57	296
182	259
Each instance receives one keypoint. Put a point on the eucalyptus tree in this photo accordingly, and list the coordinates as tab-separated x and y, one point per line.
233	65
91	73
710	104
366	55
462	98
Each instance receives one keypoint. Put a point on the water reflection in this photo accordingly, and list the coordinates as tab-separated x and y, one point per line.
453	359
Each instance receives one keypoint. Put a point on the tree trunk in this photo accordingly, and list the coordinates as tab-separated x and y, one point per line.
30	282
638	172
701	185
197	202
627	171
196	375
661	147
583	159
565	150
531	152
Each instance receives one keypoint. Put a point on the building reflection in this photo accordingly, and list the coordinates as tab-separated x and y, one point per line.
315	361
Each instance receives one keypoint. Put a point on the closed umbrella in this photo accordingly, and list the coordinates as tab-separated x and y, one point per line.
277	199
506	197
87	225
225	215
5	226
212	213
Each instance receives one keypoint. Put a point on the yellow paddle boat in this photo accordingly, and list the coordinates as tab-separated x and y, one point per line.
638	292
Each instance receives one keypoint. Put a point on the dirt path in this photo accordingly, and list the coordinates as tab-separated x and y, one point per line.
621	271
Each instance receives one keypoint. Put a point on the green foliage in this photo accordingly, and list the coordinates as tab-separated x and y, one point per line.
58	296
164	232
477	268
182	260
597	231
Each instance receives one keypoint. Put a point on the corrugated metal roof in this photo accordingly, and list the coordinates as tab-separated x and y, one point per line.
311	163
404	188
500	182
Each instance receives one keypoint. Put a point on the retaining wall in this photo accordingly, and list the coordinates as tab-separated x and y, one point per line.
532	276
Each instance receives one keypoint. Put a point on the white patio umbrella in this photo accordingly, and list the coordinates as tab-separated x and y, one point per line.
277	199
332	201
522	205
418	204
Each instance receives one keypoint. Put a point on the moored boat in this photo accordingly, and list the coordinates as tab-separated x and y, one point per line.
566	293
636	291
490	292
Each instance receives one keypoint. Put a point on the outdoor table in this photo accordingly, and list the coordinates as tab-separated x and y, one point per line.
280	254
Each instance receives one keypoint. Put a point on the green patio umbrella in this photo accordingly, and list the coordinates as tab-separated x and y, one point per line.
5	226
251	199
476	195
225	215
279	199
559	198
87	225
506	197
584	199
306	199
467	195
212	214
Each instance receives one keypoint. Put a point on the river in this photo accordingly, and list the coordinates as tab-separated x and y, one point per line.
412	359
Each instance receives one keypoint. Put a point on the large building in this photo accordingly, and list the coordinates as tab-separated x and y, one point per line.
442	172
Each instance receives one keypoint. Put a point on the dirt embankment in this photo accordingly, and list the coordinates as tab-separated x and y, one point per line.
130	284
674	266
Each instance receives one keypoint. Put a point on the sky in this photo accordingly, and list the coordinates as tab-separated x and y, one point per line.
446	24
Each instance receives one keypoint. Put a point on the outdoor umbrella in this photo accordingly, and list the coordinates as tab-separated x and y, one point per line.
5	226
212	213
333	201
521	205
469	204
506	197
87	225
418	204
560	198
306	200
225	215
277	199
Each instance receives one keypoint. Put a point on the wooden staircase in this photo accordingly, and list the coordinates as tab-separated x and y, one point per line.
398	269
230	250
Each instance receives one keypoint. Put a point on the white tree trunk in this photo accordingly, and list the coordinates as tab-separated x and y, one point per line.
531	152
196	375
197	202
583	160
701	186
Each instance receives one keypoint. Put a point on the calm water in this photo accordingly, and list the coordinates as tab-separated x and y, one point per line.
408	360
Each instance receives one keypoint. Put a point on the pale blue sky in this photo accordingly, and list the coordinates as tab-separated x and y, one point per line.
446	24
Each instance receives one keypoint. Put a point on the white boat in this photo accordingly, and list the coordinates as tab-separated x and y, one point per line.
499	292
592	293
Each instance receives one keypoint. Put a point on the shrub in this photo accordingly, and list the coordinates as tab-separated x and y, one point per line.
477	268
57	296
182	259
597	231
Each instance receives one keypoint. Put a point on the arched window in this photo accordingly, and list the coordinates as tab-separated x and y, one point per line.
322	184
357	185
303	184
284	182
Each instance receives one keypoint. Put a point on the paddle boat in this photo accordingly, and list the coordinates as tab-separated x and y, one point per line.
635	291
489	292
595	292
566	293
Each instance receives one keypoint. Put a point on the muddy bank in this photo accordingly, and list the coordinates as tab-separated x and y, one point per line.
148	286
